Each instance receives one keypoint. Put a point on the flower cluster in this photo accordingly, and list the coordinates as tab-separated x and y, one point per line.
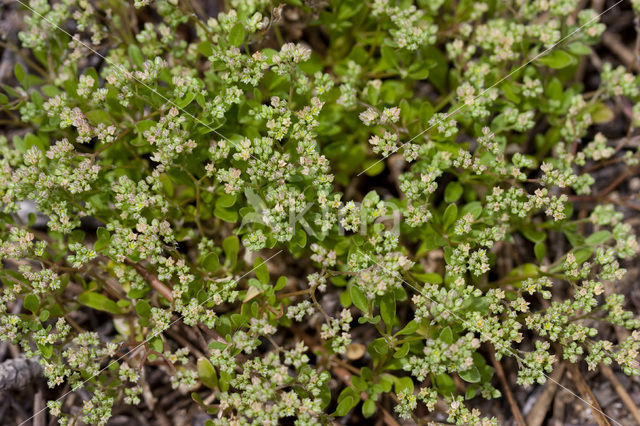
415	198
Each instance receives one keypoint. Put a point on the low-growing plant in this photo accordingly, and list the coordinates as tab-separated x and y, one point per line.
289	181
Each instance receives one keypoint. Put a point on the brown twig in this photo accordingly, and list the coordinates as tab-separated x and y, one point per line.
559	403
515	410
388	418
152	280
213	333
623	176
587	395
541	407
184	342
622	392
614	44
39	417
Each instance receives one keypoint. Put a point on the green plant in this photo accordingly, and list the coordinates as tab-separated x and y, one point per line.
195	143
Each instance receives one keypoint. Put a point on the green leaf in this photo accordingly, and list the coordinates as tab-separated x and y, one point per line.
325	395
225	378
346	405
98	116
236	35
509	92
261	270
368	408
359	299
188	98
19	72
390	57
32	140
300	238
104	239
557	59
46	349
197	398
446	335
36	97
449	216
600	113
347	10
388	309
540	250
359	383
211	262
226	200
99	301
471	392
403	351
598	237
156	344
579	48
582	255
207	373
32	303
374	320
167	184
281	283
378	348
410	328
428	277
144	125
554	89
438	75
50	90
143	308
373	167
205	49
445	384
230	216
231	247
453	192
123	303
420	70
533	235
403	384
472	375
136	55
431	239
239	320
574	238
44	315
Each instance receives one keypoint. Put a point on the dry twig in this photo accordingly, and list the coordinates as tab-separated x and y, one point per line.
587	395
541	407
39	416
613	42
152	280
507	390
622	392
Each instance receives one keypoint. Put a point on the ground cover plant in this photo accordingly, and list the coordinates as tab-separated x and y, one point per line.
316	211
